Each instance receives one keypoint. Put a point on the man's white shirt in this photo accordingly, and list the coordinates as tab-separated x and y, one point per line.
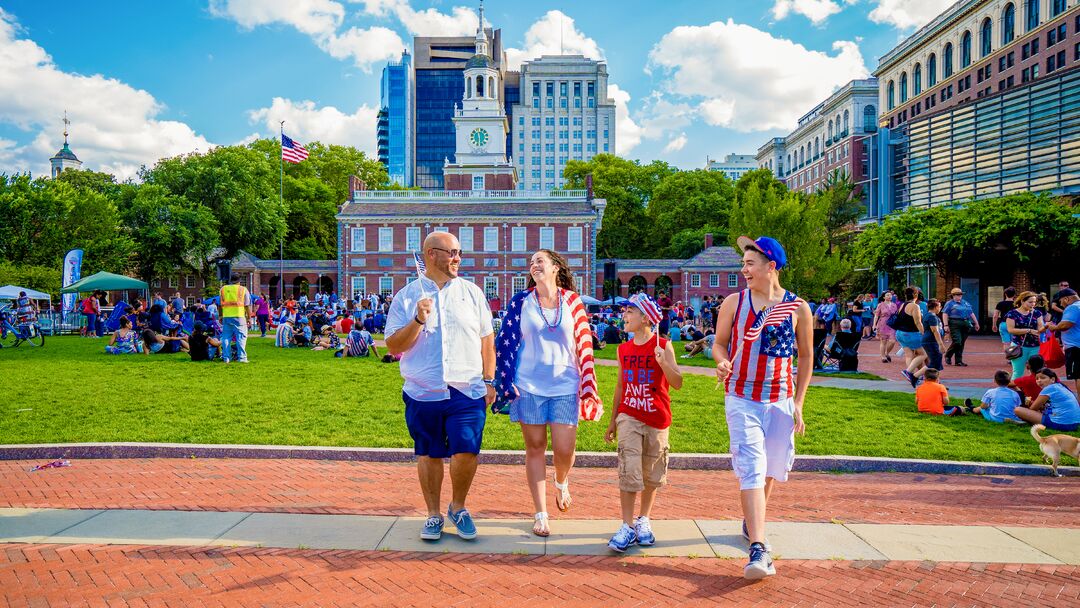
447	351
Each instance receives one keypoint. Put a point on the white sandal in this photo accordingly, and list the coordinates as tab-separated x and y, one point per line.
541	517
562	494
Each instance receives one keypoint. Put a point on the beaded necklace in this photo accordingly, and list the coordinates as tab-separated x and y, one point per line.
558	311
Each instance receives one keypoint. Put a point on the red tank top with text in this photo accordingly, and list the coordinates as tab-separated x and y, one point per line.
645	388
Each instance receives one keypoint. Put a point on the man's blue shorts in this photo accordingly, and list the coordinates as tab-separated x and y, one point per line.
440	429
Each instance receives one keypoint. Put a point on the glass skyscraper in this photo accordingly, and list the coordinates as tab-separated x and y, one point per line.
439	85
394	132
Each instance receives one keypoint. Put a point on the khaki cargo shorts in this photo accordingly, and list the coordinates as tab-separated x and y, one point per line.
643	454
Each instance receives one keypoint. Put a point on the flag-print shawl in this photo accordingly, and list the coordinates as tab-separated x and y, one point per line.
508	342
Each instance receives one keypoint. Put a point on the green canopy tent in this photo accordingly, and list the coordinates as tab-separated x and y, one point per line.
105	281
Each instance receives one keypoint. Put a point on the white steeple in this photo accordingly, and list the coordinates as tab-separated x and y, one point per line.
65	159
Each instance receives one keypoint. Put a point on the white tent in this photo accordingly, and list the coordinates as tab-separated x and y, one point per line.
11	292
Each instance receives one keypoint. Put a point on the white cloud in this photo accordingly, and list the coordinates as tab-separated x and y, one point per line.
115	127
627	132
553	34
461	21
305	122
676	143
319	18
816	11
745	79
364	46
908	14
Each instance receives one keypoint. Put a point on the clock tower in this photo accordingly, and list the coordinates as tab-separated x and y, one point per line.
480	161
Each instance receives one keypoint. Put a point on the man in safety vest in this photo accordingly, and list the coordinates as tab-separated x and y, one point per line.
235	309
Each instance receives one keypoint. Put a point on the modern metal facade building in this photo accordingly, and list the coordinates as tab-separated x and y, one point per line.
982	102
733	166
394	130
564	114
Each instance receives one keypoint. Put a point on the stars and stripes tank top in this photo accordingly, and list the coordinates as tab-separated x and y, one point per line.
761	350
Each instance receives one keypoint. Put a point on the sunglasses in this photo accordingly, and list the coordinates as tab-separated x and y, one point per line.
454	253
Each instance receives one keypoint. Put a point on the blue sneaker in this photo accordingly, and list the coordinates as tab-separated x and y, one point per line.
746	537
643	531
910	378
466	529
760	564
432	528
623	539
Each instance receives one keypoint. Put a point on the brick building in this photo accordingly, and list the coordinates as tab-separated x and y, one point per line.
715	271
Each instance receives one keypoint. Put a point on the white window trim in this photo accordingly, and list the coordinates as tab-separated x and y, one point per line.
358	238
730	277
359	284
714	280
389	245
519	238
467	244
492	233
412	238
547	237
383	289
494	282
695	280
575	243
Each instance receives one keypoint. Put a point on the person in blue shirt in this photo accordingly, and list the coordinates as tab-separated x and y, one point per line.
958	318
1069	326
675	331
999	403
1056	406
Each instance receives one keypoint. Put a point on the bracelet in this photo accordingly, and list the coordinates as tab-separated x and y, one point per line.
417	319
489	381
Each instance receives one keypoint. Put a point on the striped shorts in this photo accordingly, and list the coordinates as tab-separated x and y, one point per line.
538	409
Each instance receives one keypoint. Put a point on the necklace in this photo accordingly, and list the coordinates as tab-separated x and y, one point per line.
558	311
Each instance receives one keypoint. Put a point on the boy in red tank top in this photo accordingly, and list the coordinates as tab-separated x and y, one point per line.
641	419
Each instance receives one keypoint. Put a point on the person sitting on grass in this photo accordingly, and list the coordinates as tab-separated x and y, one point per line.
302	333
284	338
700	345
999	403
1056	406
675	331
124	340
933	398
154	343
328	340
359	343
1028	384
202	347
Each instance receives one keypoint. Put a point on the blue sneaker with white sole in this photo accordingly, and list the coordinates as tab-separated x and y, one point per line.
432	528
466	529
760	564
623	539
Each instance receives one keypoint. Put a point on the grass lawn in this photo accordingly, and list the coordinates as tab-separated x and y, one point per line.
69	391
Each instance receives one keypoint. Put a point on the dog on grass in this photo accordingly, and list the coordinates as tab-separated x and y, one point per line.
1053	446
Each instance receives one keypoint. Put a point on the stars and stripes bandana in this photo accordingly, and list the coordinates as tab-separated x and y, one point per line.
647	306
292	152
508	342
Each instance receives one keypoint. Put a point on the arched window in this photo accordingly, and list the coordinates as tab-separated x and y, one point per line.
468	87
965	50
847	120
916	76
830	131
1057	7
931	70
869	119
1008	24
817	147
480	87
903	87
892	95
984	38
491	86
789	163
947	69
838	131
1031	14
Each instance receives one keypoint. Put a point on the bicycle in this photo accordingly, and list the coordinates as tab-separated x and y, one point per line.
14	334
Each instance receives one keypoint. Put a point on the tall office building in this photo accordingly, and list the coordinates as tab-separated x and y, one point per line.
438	88
395	127
982	102
564	114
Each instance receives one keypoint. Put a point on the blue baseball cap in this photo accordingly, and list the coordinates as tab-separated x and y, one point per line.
768	246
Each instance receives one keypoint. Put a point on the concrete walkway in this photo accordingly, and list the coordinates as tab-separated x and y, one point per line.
676	538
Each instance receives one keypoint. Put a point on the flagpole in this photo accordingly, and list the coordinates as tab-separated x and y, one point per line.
281	201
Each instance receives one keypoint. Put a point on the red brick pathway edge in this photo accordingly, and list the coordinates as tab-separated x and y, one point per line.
95	575
707	462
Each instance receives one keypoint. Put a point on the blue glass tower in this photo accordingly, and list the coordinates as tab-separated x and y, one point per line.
395	132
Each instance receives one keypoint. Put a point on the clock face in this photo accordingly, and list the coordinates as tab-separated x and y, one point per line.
479	137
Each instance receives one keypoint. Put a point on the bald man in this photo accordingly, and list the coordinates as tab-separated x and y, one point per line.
441	326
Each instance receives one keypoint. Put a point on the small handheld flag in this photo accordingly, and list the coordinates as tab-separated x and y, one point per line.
421	267
292	152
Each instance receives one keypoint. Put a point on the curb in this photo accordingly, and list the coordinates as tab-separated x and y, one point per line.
708	462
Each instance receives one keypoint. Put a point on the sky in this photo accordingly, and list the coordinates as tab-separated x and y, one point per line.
141	79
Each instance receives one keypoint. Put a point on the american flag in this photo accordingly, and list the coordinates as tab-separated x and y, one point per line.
647	306
774	316
421	267
292	152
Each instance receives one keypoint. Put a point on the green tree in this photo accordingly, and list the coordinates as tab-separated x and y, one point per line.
798	223
172	233
684	207
845	206
627	186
